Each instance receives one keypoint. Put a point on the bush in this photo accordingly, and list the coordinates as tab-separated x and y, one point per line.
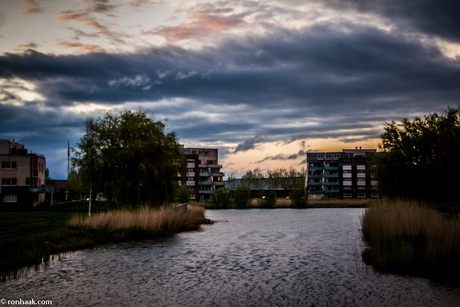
221	199
298	197
242	196
411	238
269	201
183	194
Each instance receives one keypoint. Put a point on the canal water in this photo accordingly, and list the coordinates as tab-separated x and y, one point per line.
260	257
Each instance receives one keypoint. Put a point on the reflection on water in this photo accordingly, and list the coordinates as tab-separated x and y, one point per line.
282	257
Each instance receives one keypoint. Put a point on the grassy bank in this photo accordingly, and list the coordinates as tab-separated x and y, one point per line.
39	235
411	238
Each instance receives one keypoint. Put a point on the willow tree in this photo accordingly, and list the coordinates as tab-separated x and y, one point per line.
130	158
420	159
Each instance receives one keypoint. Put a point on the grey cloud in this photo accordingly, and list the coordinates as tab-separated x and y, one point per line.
343	81
439	18
284	157
250	143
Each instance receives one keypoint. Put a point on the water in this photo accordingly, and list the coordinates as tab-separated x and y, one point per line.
282	257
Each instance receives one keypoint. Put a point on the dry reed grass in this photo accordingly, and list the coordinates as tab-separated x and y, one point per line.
154	220
428	232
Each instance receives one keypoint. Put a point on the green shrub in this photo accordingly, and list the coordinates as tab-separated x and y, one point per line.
221	199
269	201
183	194
241	196
298	197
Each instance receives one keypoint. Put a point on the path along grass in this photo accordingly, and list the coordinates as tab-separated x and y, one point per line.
20	251
411	238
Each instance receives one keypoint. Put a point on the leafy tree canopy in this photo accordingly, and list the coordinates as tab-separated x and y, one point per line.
130	158
420	159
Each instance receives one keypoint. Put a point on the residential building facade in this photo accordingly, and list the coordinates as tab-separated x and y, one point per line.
340	175
201	172
22	176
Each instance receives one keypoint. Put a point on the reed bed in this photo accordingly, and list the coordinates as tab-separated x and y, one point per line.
154	220
411	238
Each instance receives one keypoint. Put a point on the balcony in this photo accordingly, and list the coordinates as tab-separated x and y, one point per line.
331	183
217	183
331	191
332	168
323	191
315	168
206	192
211	174
331	176
315	183
315	176
210	166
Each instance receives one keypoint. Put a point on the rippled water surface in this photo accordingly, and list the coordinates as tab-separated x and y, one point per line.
282	257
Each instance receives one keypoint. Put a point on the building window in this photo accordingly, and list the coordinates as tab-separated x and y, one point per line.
347	194
346	179
347	187
27	181
374	194
328	157
8	164
10	198
361	194
320	157
8	181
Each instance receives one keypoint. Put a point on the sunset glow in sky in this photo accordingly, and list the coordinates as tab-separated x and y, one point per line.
263	81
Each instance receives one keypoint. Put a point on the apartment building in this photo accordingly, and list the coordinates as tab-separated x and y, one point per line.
340	175
202	172
22	176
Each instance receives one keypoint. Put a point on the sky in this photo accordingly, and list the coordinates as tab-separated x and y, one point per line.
263	81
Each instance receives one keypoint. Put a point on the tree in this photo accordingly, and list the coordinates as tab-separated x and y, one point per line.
48	179
298	197
242	196
74	182
130	158
254	179
221	199
183	194
420	159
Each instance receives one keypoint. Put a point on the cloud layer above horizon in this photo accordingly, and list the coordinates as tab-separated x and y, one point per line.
263	81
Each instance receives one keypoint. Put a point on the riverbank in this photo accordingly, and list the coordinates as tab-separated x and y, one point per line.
286	203
411	238
32	238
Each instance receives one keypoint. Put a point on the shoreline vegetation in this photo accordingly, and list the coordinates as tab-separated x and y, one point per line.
32	239
412	238
256	203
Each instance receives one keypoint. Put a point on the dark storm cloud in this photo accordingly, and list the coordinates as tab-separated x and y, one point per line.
440	18
301	153
320	66
338	82
250	143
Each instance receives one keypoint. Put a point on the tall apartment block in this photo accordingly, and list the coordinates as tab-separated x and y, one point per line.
22	175
201	173
338	175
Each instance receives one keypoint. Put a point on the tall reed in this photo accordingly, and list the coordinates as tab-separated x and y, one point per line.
153	220
410	237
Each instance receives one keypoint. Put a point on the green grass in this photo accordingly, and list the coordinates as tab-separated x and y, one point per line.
29	239
17	225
